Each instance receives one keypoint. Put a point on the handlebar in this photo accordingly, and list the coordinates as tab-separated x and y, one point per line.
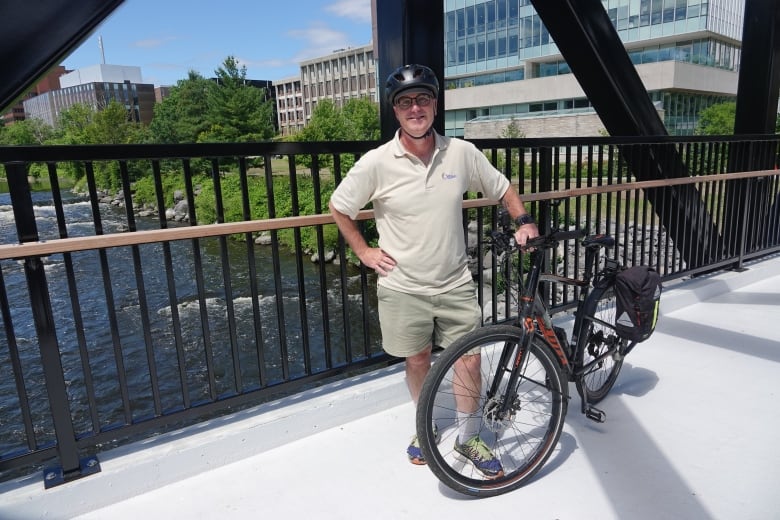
503	238
551	240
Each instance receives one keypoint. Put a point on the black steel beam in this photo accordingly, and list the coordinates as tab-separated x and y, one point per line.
408	31
759	75
37	36
592	48
757	97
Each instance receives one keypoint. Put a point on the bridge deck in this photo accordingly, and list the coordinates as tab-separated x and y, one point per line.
691	433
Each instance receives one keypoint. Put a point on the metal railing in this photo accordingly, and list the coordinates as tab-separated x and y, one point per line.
119	325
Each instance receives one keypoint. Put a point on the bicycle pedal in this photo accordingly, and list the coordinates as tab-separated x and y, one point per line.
594	414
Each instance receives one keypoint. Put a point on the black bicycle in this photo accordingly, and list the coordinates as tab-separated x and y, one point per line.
514	378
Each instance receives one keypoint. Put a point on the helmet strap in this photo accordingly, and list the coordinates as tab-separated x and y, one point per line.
426	134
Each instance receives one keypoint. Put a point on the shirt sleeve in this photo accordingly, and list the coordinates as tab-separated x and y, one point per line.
486	178
357	188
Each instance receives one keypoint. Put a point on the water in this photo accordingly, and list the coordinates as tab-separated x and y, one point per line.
180	357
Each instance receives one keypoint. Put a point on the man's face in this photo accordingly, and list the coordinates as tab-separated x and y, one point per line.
415	112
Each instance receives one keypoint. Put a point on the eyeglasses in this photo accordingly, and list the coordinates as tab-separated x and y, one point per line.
406	102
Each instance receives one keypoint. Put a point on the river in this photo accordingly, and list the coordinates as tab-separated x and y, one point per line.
207	343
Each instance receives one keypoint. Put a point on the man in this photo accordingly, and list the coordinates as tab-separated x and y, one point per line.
425	290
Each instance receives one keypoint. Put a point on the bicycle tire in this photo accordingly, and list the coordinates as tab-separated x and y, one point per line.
595	340
522	442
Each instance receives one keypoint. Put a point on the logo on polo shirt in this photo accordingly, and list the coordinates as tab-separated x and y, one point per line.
448	176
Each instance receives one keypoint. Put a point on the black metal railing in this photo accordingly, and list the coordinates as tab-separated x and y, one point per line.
153	305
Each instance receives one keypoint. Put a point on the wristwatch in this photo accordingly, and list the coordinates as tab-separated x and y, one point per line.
524	219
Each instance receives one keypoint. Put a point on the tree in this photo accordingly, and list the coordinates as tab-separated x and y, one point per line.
179	117
26	132
327	124
362	117
717	119
512	130
82	124
237	111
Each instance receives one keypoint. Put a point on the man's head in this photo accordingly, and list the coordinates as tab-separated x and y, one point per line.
412	90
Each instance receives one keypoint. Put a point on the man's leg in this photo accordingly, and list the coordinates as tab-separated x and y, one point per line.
467	386
417	368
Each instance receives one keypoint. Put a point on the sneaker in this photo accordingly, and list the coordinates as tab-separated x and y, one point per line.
415	453
476	451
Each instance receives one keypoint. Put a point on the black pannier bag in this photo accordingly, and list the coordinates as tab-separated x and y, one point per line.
638	296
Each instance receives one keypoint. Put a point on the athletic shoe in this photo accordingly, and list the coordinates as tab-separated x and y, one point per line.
415	453
476	451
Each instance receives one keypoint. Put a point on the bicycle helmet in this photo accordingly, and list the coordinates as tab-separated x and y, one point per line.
409	77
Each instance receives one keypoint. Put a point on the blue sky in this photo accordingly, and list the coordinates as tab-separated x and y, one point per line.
167	38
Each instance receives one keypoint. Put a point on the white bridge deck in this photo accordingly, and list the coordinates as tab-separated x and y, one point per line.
691	433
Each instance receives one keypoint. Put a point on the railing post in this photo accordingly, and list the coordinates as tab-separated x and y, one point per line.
71	467
545	216
744	226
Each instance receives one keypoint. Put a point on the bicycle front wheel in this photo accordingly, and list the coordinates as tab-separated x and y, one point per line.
468	387
599	346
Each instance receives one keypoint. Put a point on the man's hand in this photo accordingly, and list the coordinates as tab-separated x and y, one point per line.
526	232
378	260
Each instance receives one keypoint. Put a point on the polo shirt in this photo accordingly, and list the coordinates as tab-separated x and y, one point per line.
418	209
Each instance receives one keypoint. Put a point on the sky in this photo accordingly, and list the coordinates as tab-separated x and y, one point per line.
168	38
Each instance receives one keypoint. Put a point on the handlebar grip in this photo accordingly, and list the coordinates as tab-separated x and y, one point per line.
546	241
599	241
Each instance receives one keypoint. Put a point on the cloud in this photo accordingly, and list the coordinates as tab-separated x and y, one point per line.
320	40
358	10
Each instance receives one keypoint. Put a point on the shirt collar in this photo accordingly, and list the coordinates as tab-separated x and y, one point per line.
441	143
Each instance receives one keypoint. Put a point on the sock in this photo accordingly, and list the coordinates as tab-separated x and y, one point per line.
468	426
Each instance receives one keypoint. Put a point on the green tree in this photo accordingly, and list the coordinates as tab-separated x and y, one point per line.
179	117
327	124
26	132
362	118
717	119
237	111
512	130
82	124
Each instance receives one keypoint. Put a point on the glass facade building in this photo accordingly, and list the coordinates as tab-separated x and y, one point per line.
498	55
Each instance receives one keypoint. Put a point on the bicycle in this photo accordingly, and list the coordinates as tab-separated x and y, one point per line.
520	392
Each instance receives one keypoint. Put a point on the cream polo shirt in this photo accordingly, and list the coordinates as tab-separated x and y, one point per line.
418	209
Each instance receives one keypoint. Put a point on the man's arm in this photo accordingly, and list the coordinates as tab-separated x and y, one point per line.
372	257
514	205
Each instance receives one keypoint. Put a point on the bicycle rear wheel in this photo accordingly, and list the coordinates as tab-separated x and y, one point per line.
595	340
522	439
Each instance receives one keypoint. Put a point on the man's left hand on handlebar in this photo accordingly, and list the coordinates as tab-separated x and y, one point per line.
525	233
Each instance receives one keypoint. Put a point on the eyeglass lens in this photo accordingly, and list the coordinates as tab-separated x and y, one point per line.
422	100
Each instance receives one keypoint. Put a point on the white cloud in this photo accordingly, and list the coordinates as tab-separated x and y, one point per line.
358	10
320	40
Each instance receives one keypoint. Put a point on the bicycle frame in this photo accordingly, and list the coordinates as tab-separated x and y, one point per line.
534	320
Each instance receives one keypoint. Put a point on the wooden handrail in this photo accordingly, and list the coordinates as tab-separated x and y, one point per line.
73	244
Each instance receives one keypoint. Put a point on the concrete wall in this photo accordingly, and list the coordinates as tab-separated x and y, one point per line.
569	125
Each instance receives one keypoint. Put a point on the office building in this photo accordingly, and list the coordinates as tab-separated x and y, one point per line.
502	66
340	76
289	105
49	82
96	86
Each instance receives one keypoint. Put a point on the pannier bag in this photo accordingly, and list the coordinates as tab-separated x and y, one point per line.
638	296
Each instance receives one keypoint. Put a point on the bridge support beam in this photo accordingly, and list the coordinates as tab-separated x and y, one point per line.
407	31
592	48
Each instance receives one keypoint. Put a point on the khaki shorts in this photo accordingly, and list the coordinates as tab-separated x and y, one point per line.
411	322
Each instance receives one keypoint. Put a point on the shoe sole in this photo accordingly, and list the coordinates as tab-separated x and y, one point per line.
417	461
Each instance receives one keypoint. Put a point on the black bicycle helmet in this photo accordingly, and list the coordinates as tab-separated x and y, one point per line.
411	76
